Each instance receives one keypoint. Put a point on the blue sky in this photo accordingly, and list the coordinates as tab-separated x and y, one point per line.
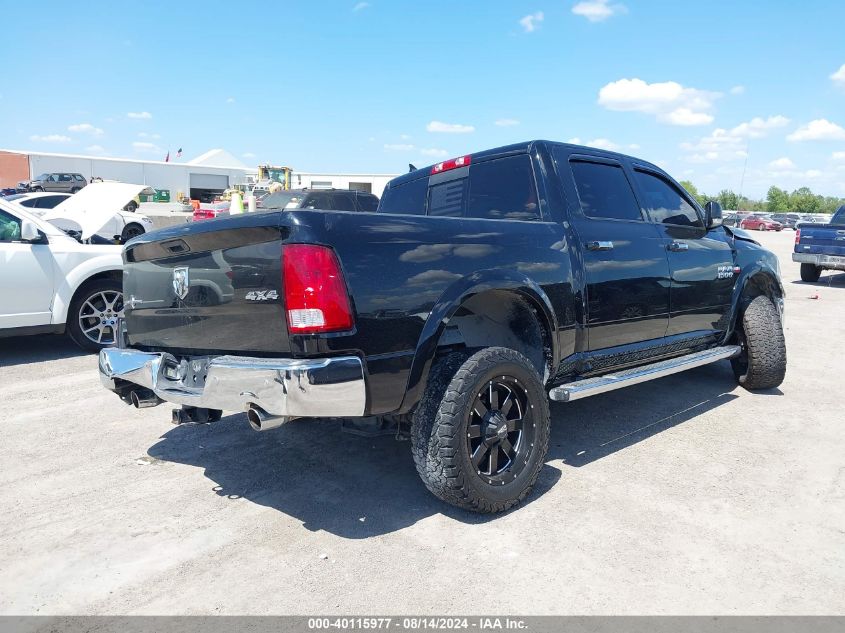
699	88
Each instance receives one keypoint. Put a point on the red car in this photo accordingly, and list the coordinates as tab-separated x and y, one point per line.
760	223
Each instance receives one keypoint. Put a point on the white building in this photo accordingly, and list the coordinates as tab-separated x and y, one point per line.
202	177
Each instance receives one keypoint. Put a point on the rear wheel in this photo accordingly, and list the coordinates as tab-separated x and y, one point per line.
762	361
480	434
75	190
94	313
810	272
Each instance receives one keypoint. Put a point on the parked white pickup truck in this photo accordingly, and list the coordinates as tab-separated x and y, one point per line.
50	282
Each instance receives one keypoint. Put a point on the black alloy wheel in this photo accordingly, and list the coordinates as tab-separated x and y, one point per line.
499	430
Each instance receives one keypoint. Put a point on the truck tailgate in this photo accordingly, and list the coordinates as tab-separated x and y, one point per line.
213	288
821	239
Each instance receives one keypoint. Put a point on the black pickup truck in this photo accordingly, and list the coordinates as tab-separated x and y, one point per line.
482	287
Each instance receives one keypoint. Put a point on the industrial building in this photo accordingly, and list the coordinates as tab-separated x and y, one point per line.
206	175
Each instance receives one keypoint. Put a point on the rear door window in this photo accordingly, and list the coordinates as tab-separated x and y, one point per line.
49	202
407	198
318	201
503	189
604	191
368	204
343	202
664	203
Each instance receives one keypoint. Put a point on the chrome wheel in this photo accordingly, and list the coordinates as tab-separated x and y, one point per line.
98	316
500	431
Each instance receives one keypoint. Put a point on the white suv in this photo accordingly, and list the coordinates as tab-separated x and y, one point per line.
50	282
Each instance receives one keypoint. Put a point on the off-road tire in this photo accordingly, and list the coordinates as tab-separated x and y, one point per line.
84	292
762	363
810	272
439	437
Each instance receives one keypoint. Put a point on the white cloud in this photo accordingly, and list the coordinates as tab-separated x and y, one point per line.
248	155
506	122
361	6
143	146
603	143
50	138
839	76
838	156
449	128
405	137
139	115
86	128
432	151
598	10
782	163
230	100
758	127
737	90
726	145
147	135
685	116
818	130
669	101
531	22
399	147
95	149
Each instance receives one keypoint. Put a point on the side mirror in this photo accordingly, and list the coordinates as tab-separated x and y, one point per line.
713	214
30	233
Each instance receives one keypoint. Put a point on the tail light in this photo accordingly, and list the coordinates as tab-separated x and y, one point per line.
797	235
453	163
315	292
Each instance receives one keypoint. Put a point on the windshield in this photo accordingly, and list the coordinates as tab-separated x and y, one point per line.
42	177
283	200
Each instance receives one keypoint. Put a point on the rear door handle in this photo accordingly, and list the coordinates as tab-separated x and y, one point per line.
677	247
600	246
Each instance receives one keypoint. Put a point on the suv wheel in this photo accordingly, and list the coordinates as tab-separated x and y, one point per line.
38	188
94	313
75	190
762	362
481	431
130	231
810	272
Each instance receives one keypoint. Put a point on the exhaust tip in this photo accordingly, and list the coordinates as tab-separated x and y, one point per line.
143	398
253	418
260	420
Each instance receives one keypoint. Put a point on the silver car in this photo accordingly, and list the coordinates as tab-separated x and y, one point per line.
60	181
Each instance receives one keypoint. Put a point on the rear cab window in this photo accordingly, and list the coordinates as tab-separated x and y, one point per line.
494	189
405	198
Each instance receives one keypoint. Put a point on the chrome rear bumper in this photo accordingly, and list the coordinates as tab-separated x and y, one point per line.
833	262
325	387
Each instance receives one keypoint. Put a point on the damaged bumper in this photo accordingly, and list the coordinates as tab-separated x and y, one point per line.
326	387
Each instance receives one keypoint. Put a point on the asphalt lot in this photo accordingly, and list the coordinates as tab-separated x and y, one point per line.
686	495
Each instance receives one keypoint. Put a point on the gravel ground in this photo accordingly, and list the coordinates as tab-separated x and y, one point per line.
686	495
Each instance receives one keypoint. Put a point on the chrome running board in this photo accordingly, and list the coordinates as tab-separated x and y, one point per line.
600	384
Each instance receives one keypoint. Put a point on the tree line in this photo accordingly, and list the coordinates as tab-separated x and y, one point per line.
777	200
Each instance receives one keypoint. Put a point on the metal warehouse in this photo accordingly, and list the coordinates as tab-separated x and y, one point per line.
208	174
